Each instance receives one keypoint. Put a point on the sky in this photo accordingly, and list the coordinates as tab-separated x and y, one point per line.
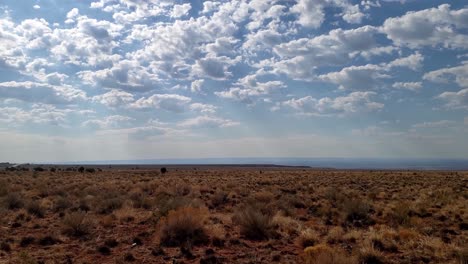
147	79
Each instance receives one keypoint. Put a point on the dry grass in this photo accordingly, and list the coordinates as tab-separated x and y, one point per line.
233	215
183	227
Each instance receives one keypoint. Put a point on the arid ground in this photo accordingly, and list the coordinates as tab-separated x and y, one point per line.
233	215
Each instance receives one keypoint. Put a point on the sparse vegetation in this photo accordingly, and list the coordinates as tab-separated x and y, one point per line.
183	227
77	224
232	215
254	223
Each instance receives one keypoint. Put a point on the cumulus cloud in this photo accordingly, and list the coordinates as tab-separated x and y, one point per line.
249	87
460	74
439	26
196	86
352	103
311	12
114	98
207	121
33	92
169	102
455	100
180	10
203	108
414	86
108	122
435	124
369	76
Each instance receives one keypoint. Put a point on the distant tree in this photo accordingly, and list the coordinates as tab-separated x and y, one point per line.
163	170
81	169
53	169
38	169
90	170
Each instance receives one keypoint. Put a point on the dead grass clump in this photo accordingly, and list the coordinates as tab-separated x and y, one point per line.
13	201
308	238
166	202
77	224
183	227
401	215
108	206
62	204
254	223
357	212
141	200
285	225
219	198
335	235
4	187
35	208
369	255
323	254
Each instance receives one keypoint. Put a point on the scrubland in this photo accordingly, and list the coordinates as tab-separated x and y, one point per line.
233	215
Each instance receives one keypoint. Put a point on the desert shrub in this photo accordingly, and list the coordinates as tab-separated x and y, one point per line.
77	224
308	238
108	205
141	200
81	169
334	195
163	170
286	226
335	234
369	255
254	223
61	204
4	186
35	208
323	254
401	214
13	201
462	256
52	169
357	212
90	170
166	202
219	198
183	226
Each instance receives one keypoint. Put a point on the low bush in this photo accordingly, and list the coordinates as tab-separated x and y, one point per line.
254	223
77	224
183	227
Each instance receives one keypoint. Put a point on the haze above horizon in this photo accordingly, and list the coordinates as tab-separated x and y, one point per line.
134	80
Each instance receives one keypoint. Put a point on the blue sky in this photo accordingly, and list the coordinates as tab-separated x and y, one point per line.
134	79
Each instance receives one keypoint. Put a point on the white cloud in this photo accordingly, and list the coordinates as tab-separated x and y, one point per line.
207	121
312	14
169	102
37	114
108	122
444	75
352	103
455	100
430	27
414	86
114	98
435	124
196	86
37	7
41	93
370	76
249	87
181	10
203	108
